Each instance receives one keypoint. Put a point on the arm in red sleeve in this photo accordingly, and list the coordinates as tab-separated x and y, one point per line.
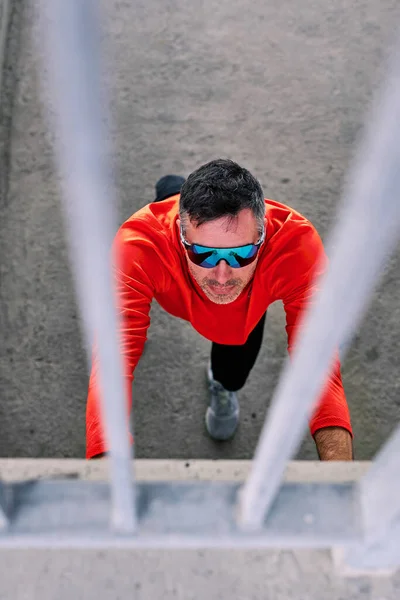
134	290
297	289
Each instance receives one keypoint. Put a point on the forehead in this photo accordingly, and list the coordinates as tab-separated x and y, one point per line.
224	232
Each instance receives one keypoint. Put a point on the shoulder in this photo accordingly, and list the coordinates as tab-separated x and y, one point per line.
147	237
150	227
151	221
289	233
294	248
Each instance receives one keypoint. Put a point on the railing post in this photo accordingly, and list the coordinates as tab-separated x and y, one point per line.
73	59
364	236
3	507
379	496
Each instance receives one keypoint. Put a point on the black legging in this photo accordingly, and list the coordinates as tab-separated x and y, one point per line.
230	365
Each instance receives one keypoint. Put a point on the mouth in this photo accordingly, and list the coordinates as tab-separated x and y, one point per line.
220	290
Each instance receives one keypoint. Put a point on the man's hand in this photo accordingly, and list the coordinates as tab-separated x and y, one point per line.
334	443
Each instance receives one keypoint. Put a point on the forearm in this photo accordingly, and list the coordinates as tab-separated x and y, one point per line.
334	443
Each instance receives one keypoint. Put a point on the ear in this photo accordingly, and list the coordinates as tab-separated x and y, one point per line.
178	224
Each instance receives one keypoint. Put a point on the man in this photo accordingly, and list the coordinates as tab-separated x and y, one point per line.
211	250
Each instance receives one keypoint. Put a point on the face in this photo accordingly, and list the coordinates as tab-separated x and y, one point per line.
223	284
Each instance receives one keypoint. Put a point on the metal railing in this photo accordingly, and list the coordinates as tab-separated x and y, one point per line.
362	518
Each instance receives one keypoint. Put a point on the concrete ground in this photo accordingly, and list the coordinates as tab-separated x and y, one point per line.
278	87
184	575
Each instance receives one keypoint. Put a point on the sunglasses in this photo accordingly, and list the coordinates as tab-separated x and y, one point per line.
208	258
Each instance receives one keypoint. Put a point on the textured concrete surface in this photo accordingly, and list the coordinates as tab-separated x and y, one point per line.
280	89
189	575
15	469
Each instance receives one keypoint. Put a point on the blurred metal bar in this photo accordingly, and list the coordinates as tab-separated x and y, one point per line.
365	234
3	506
71	31
5	11
74	514
379	492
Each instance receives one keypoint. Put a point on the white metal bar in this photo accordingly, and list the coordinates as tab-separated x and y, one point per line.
380	555
379	492
65	513
3	506
5	11
365	234
71	31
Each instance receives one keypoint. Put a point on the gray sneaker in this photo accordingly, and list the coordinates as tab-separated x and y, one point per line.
222	416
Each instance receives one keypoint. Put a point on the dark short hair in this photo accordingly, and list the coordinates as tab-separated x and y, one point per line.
220	188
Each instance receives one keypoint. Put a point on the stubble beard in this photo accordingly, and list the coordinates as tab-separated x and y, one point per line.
222	298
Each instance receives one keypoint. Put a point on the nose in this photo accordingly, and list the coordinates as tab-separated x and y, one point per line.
222	272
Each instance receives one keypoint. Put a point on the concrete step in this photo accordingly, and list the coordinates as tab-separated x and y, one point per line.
14	469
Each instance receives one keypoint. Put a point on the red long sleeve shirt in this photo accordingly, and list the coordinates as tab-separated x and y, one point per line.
151	263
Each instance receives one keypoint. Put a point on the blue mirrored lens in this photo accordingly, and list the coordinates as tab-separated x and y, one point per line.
235	257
